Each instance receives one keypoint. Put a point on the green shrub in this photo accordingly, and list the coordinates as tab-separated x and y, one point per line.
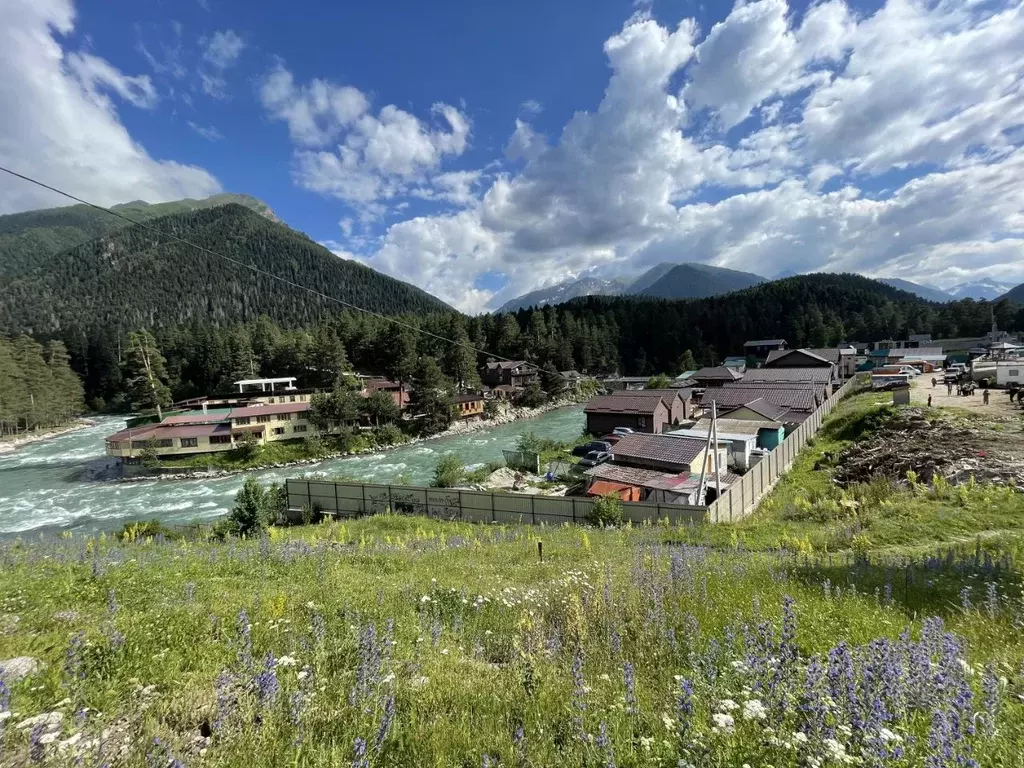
314	445
252	510
387	435
449	472
606	511
248	448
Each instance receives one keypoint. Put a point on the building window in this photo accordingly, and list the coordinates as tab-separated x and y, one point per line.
164	442
190	442
1015	371
641	421
140	444
220	439
263	419
280	399
300	428
291	398
278	430
241	421
284	417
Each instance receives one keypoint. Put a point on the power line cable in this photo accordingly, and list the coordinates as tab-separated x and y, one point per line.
255	269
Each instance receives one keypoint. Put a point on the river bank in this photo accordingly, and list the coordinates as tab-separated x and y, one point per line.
11	444
458	429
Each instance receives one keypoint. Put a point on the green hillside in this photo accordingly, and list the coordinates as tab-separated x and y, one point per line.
135	278
29	240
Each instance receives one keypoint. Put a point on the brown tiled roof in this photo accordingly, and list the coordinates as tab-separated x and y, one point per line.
773	413
718	373
825	355
764	342
800	375
663	448
727	426
161	431
790	398
667	395
269	410
468	398
642	402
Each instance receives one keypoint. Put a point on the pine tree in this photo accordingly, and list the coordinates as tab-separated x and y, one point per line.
145	374
431	398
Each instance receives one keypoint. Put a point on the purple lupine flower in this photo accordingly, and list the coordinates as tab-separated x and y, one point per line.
319	628
991	600
267	685
629	677
812	704
519	745
435	631
359	748
74	657
112	606
787	647
616	643
684	708
190	591
887	593
36	748
579	696
264	547
990	689
386	721
604	743
5	695
965	598
225	701
245	640
940	749
116	640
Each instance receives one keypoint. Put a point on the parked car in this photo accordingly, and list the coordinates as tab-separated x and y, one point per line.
612	439
622	431
593	445
594	458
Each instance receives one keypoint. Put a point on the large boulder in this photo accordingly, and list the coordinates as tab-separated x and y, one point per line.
18	668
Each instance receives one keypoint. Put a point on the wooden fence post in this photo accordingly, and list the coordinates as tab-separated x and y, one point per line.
533	509
492	507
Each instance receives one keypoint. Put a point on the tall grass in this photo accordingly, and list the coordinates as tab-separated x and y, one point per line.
401	641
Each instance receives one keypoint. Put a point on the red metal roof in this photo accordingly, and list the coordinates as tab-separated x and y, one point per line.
269	410
661	448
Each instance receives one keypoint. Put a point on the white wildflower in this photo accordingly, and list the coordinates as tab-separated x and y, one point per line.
303	674
799	738
754	710
670	724
646	742
287	661
886	735
723	721
425	599
728	705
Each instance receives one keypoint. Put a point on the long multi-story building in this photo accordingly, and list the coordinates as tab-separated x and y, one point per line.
218	423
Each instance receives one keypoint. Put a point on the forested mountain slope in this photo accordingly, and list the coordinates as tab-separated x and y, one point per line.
692	281
135	278
28	240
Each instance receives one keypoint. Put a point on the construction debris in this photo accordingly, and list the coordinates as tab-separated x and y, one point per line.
912	445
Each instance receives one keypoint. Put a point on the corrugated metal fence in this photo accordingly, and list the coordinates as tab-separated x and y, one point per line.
742	498
355	499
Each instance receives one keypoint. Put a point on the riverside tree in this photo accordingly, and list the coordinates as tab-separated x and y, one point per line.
145	374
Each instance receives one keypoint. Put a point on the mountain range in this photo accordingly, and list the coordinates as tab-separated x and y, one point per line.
694	281
666	280
128	276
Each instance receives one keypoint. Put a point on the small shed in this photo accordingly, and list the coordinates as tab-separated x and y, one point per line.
640	411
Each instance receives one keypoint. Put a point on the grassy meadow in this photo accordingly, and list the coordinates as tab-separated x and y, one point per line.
394	641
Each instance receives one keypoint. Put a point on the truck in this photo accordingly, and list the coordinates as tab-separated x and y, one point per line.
1010	374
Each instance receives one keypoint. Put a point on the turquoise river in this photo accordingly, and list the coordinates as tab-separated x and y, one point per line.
50	485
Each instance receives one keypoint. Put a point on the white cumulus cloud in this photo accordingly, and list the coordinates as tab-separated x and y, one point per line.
65	129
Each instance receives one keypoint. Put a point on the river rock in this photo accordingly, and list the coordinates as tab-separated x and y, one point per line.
18	668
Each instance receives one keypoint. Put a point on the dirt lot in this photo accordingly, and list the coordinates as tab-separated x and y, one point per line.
959	438
998	404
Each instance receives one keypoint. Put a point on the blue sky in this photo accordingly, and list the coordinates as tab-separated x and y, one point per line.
482	150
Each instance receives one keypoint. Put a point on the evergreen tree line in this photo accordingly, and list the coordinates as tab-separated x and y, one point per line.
37	386
629	335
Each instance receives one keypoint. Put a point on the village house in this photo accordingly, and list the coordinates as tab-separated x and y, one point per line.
399	392
795	403
514	373
741	444
469	405
640	411
679	402
633	383
820	379
634	484
666	453
760	348
843	358
715	376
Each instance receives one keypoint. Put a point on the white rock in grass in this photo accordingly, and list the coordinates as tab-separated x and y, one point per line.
49	720
18	668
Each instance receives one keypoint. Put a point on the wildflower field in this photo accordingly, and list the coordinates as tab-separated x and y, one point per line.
394	641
